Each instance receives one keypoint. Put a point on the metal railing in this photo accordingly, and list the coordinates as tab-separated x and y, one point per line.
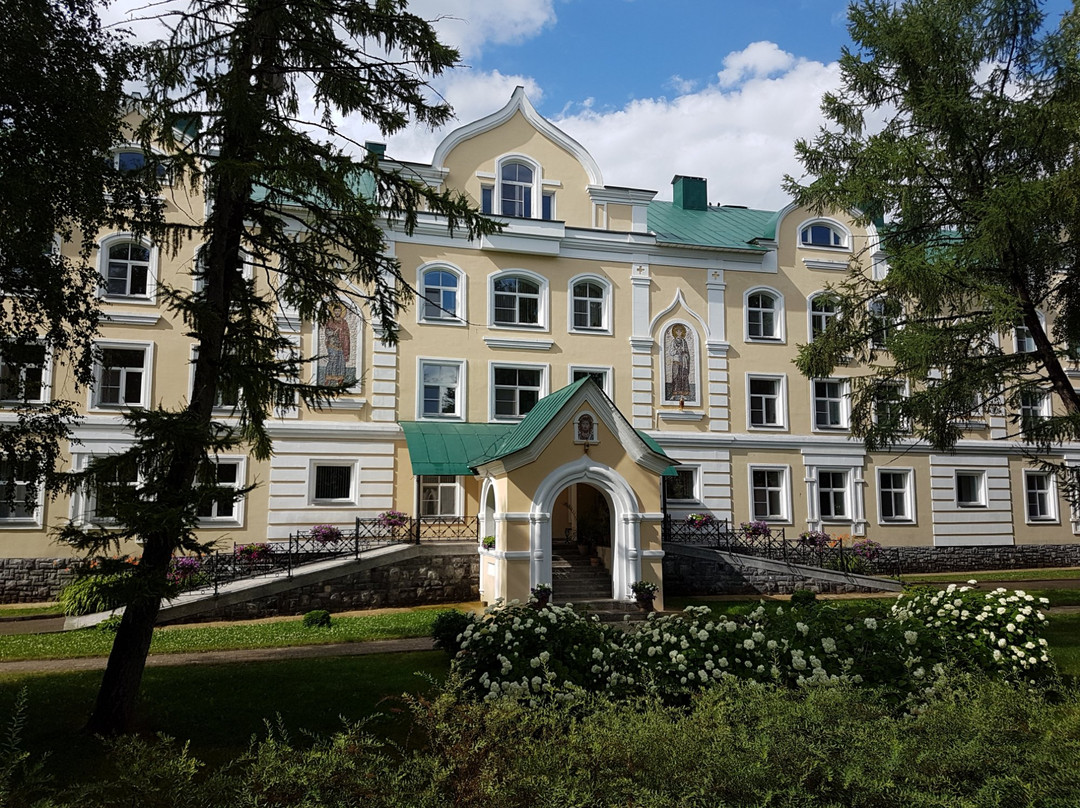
259	559
772	543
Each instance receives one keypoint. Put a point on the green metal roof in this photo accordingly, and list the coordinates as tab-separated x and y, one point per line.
719	226
443	447
452	447
526	430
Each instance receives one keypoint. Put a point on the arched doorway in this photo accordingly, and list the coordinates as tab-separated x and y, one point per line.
603	510
582	544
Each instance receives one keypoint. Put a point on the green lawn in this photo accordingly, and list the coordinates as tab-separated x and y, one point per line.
220	708
1054	573
284	633
17	610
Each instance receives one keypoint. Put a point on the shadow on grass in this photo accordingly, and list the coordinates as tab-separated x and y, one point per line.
220	708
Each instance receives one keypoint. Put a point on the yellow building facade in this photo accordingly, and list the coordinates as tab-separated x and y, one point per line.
606	352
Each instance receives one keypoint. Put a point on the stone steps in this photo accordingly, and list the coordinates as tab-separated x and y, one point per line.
575	579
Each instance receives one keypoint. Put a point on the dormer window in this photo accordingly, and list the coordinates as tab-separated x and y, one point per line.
130	160
515	190
822	234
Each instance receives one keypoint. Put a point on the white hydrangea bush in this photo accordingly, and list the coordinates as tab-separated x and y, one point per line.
994	631
556	653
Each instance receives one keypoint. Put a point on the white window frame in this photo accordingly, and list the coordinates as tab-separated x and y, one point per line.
903	390
197	280
46	377
32	519
784	493
906	494
695	484
146	388
458	316
219	408
839	229
132	148
607	370
876	342
536	186
152	269
1051	516
237	517
844	490
1037	413
781	401
460	390
440	484
493	366
313	470
779	316
88	501
811	314
542	307
605	305
843	403
980	488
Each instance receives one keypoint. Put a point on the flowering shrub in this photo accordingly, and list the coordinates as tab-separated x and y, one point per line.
182	570
257	551
700	519
325	534
990	631
908	651
817	539
758	527
393	519
866	549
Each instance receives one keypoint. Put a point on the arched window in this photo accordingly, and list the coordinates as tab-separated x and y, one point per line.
127	268
764	313
589	306
822	234
516	301
823	308
439	288
516	189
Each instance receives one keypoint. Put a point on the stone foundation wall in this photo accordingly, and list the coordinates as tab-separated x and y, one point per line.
438	575
701	572
965	559
33	580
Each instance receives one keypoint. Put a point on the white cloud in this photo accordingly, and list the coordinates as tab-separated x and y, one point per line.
741	139
758	59
473	23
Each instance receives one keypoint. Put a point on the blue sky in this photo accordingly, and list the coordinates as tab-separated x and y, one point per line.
616	51
719	89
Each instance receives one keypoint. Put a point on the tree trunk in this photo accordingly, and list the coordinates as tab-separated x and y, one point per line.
114	710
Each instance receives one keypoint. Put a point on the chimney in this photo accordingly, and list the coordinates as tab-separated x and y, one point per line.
691	193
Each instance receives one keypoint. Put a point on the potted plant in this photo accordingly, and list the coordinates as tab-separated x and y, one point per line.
759	528
644	593
325	534
393	519
488	542
816	539
541	595
700	520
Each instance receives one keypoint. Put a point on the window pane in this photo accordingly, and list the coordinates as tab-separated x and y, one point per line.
333	482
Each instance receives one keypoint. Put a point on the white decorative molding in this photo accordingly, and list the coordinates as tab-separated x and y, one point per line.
817	263
130	318
519	102
519	344
680	415
642	344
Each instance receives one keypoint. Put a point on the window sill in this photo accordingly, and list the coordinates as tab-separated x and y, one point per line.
453	321
766	340
766	428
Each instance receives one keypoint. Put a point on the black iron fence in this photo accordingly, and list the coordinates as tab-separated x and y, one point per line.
244	561
755	539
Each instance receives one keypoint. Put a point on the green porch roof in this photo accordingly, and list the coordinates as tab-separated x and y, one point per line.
718	226
441	447
452	447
